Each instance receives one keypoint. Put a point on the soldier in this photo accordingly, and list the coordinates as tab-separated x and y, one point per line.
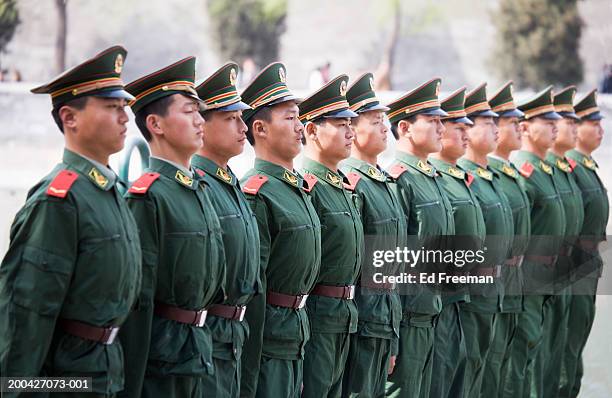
224	138
384	226
290	237
450	353
550	358
548	224
168	344
503	368
479	317
416	125
331	305
72	271
586	259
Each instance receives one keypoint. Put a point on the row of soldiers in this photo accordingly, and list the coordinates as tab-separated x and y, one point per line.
196	284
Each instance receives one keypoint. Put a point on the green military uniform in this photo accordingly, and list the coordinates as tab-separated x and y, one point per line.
331	306
550	359
450	352
168	345
241	243
508	325
586	259
72	270
547	229
479	316
430	218
384	227
290	255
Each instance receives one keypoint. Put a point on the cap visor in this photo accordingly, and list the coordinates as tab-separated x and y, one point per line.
373	107
432	112
284	99
119	93
464	120
569	115
342	114
485	113
593	116
236	106
511	113
550	116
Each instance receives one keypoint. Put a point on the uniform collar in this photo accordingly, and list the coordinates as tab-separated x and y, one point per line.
290	177
559	162
209	167
173	171
372	172
334	178
418	164
447	168
583	159
101	176
486	173
502	165
535	161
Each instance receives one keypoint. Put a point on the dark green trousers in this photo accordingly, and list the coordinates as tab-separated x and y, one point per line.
581	318
324	362
524	348
173	387
499	354
413	367
450	354
547	371
366	367
479	329
225	383
280	378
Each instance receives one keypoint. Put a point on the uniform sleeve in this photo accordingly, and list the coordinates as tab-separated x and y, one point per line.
135	334
34	280
256	309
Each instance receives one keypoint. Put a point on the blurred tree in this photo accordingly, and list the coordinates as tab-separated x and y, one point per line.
382	75
9	19
537	42
248	28
60	40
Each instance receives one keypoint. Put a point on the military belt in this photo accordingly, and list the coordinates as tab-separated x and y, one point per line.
341	292
104	335
232	312
588	244
515	261
286	300
544	260
190	317
495	271
380	286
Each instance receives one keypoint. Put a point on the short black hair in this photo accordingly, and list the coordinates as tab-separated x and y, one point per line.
77	103
264	113
410	120
157	107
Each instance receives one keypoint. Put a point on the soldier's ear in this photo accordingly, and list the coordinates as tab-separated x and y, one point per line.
403	128
259	128
524	128
310	131
68	116
154	124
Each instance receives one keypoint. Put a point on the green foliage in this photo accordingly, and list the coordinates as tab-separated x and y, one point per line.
538	42
248	28
9	19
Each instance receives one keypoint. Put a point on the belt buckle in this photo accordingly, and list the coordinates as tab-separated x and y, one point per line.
351	292
112	334
241	310
497	271
200	318
303	298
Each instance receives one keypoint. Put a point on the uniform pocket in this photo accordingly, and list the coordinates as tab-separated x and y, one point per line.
42	281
